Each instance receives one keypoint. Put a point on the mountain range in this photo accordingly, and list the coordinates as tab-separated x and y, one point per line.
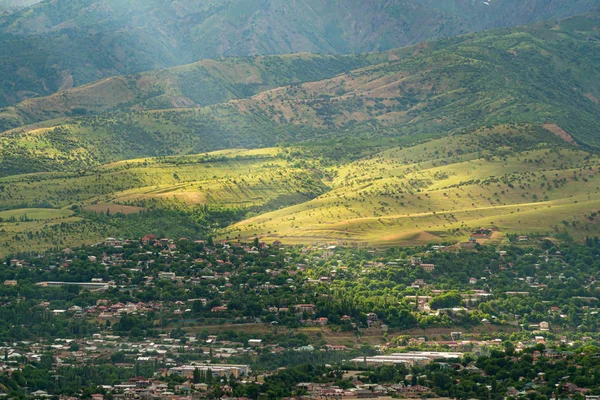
60	44
546	73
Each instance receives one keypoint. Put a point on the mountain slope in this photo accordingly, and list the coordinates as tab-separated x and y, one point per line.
547	74
60	44
521	179
199	84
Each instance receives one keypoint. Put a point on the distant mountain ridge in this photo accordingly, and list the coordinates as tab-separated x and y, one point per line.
59	44
198	84
4	4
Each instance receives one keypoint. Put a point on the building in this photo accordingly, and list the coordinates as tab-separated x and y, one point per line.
83	285
372	319
428	267
305	308
167	275
218	370
410	358
255	342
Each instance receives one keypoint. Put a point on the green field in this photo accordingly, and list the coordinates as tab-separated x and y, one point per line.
520	179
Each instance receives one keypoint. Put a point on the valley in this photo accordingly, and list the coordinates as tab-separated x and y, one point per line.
299	199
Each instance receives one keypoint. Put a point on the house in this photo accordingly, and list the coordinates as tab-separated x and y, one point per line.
40	393
415	389
218	309
334	347
418	283
544	326
372	319
540	340
167	275
473	281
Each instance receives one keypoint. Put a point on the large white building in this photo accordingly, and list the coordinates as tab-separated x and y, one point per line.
410	358
218	370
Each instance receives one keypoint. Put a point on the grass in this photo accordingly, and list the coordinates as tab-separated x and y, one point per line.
521	179
423	144
34	214
252	180
420	194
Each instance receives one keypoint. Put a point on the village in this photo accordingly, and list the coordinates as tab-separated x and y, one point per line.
188	319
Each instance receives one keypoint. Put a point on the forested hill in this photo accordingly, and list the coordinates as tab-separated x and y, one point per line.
60	44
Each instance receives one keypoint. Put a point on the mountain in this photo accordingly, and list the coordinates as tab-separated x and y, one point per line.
11	4
199	84
545	74
423	143
60	44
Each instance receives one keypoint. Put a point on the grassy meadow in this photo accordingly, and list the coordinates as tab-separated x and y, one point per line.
521	179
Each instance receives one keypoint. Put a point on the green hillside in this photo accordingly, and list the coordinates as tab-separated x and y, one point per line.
199	84
547	74
521	179
424	143
61	44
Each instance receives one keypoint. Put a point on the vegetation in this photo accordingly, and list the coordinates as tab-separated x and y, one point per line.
176	289
195	85
542	75
57	45
519	179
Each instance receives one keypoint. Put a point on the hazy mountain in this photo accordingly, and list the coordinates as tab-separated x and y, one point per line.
59	44
4	4
547	74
